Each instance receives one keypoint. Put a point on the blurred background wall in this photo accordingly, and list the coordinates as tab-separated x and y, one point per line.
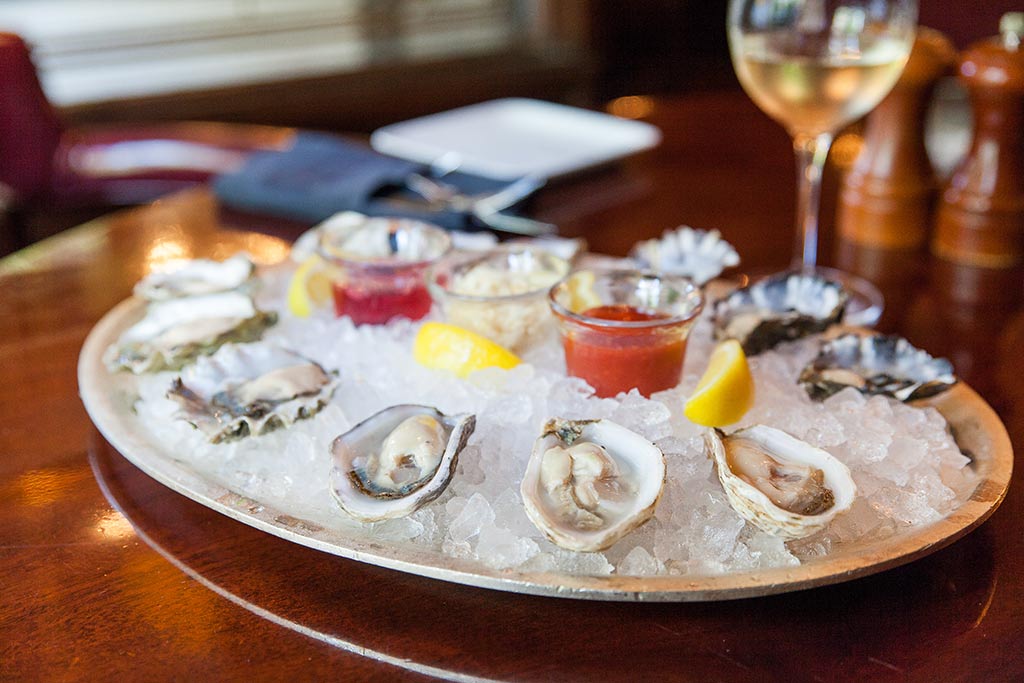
355	65
358	64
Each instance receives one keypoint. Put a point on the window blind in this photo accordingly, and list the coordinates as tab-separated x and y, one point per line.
97	50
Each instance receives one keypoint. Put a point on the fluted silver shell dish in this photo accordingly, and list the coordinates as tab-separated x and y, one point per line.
700	255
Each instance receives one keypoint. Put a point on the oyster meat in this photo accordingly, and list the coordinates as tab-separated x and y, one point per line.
176	331
590	482
779	308
397	461
697	254
782	485
250	389
196	277
879	364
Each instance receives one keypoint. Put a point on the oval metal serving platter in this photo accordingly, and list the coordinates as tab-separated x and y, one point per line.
977	428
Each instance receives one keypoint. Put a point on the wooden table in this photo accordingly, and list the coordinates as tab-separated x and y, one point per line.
106	573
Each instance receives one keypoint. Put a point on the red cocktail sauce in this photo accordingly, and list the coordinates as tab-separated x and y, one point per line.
376	306
614	359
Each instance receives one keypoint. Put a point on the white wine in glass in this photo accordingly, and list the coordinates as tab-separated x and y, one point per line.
811	95
816	66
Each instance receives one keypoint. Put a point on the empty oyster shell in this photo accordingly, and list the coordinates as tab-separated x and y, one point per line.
397	461
782	485
888	365
177	331
697	254
250	389
590	482
777	309
196	277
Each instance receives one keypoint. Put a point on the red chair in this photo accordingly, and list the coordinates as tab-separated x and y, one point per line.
46	165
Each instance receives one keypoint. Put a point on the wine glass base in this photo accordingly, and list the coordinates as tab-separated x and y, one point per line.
866	303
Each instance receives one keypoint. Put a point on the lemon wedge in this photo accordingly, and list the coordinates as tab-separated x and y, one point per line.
446	347
726	391
310	287
582	296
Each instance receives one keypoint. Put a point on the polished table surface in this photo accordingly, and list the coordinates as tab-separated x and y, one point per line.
107	573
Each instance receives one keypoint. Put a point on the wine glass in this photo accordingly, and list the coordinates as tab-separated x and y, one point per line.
815	66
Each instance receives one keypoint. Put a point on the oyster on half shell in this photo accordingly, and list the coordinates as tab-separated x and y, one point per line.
197	276
782	485
250	389
590	482
177	331
876	364
397	461
779	308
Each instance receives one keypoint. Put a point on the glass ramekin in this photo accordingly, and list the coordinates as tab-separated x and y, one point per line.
625	329
500	294
379	265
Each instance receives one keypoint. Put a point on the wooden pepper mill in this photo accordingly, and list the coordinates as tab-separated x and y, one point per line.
887	197
980	220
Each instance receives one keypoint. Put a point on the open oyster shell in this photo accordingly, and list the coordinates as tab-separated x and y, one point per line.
196	277
793	492
697	254
177	331
590	482
397	461
777	309
250	389
887	365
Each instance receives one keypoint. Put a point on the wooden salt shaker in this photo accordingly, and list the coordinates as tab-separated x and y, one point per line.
887	197
980	220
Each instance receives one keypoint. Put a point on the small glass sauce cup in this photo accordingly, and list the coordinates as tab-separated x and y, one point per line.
625	329
379	266
500	294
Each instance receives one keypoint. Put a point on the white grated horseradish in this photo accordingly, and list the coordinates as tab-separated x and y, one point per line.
906	466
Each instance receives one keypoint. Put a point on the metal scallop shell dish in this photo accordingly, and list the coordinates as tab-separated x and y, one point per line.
700	255
781	308
887	365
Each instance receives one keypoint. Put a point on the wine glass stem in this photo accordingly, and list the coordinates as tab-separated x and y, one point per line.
811	152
